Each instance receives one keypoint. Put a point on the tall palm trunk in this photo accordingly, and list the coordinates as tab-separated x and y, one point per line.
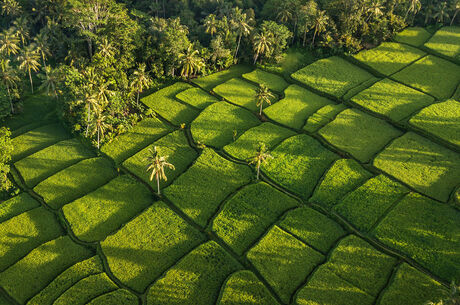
88	119
31	83
314	36
98	137
44	62
11	101
261	105
137	101
258	170
453	18
256	57
158	183
304	37
238	46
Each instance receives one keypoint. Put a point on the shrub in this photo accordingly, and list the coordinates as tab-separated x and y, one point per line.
117	297
272	81
5	157
446	41
148	245
414	36
197	97
425	166
323	116
211	81
17	205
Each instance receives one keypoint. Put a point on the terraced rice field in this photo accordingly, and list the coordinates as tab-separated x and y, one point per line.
359	204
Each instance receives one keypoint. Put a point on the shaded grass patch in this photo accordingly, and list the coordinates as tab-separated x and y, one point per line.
210	81
272	81
17	205
197	97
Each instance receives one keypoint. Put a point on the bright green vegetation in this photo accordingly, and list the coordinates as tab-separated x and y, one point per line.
344	176
410	286
392	100
197	97
117	297
244	288
248	214
17	205
239	92
359	134
37	139
32	273
312	227
446	41
364	206
360	264
67	279
196	279
191	191
211	81
218	124
293	59
248	143
441	120
103	211
389	57
323	116
148	245
427	167
141	135
45	163
164	103
75	181
333	75
325	287
297	105
414	36
272	81
427	231
179	153
298	164
433	75
34	228
284	261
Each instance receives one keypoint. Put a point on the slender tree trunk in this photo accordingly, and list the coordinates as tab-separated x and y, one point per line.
44	62
261	105
98	138
87	120
453	18
304	37
158	183
255	57
11	101
238	46
314	36
31	83
258	171
295	31
137	98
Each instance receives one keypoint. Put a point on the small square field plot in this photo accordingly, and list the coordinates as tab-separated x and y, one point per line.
427	167
164	103
427	231
359	134
240	92
272	81
446	42
414	36
389	57
197	97
210	81
432	75
220	124
333	75
441	120
392	100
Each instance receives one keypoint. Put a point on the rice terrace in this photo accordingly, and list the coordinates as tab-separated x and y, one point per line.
340	187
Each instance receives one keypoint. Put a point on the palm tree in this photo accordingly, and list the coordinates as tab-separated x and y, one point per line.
452	299
102	93
140	80
262	42
11	8
156	165
41	41
91	102
414	7
210	23
284	14
50	81
9	42
441	12
99	126
456	8
9	79
260	157
319	24
376	9
21	26
106	48
263	95
190	62
29	62
240	23
429	10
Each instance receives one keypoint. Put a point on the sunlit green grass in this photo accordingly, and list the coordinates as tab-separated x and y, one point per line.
117	297
323	116
17	205
446	41
197	98
272	81
414	36
210	81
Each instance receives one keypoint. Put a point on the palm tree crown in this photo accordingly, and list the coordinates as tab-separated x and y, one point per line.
141	80
263	95
28	61
156	165
261	157
9	42
190	61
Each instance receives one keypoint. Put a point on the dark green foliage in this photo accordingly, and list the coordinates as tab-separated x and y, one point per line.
213	80
414	36
17	205
5	157
117	297
272	81
197	98
323	116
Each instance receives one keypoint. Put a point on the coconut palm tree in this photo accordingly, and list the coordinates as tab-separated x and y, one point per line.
156	165
441	12
210	24
9	42
456	8
11	8
140	80
91	102
260	157
429	11
263	95
375	9
41	42
284	15
241	24
190	61
9	79
99	127
50	81
21	26
28	61
262	43
319	24
106	48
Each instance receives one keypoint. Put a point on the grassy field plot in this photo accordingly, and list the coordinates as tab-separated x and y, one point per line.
196	279
249	213
117	297
244	288
141	135
392	100
101	212
427	167
414	36
389	57
45	163
441	120
179	153
333	75
220	123
164	103
359	134
75	181
364	206
37	139
17	205
248	143
191	191
211	81
149	244
344	176
323	116
427	231
446	41
197	97
298	164
363	86
433	75
297	105
35	271
312	227
272	81
284	261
